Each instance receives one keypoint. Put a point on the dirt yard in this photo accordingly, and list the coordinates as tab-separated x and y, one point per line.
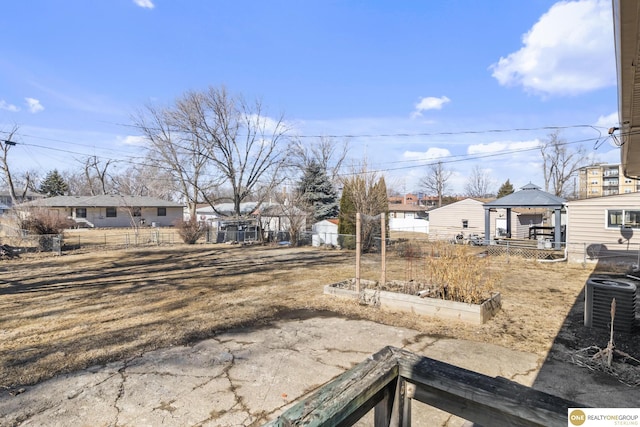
62	313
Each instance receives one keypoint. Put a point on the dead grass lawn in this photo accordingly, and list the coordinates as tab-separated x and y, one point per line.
60	314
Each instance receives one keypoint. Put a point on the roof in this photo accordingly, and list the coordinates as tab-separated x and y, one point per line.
402	207
106	200
530	196
626	21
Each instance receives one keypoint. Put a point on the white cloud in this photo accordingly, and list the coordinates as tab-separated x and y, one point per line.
34	105
147	4
4	105
567	52
608	121
429	103
132	140
501	146
431	154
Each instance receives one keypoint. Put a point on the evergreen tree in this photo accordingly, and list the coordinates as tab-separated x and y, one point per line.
53	185
368	197
347	215
505	189
318	193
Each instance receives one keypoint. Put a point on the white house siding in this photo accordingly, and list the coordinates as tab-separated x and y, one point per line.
409	224
588	237
98	217
446	222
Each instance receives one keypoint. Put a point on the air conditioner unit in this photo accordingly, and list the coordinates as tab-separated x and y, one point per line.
599	292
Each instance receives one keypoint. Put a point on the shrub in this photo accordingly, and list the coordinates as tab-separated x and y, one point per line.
46	225
190	231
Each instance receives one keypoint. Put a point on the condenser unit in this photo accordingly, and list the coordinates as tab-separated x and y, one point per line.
599	292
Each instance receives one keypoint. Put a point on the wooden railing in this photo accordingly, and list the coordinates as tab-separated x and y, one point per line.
389	380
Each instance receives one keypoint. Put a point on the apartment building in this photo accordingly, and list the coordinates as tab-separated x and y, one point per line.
605	180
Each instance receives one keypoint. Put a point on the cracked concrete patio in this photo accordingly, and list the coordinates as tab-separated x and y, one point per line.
244	377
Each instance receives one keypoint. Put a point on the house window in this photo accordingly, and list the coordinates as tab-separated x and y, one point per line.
595	182
162	211
617	218
136	212
465	223
112	212
81	212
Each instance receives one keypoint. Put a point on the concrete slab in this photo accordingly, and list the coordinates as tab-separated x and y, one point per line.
242	377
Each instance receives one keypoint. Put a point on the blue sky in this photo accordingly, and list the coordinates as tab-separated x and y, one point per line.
409	82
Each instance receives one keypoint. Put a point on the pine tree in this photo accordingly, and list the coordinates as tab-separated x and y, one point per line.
318	192
505	189
53	185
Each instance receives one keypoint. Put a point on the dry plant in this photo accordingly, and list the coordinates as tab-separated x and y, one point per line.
459	275
603	358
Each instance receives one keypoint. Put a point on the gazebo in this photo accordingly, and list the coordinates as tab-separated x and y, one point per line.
530	196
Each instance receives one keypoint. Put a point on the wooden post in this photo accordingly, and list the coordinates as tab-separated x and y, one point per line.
358	249
383	250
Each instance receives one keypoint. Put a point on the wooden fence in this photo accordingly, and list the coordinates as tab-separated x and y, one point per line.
389	380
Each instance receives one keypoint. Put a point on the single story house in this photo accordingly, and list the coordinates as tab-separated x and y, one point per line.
109	210
408	217
604	229
325	232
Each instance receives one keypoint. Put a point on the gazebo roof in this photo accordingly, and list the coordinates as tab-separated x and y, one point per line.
530	196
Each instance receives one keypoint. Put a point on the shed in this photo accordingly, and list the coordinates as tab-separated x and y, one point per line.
529	196
325	232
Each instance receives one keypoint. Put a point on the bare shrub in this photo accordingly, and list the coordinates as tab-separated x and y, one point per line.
190	231
46	225
459	275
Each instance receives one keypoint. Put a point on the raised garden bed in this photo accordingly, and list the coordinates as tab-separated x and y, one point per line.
424	305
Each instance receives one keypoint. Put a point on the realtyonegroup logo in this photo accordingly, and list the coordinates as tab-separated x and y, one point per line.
592	417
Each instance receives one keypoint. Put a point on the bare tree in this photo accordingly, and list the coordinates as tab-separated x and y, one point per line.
145	180
436	180
326	151
229	138
95	172
478	183
560	163
18	184
180	151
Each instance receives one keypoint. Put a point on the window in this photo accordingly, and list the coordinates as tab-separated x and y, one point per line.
162	211
81	212
136	212
623	218
465	223
595	181
112	212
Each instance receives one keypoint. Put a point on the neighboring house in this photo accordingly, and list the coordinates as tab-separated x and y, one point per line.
604	228
3	208
325	232
109	210
5	198
275	218
406	217
222	211
464	217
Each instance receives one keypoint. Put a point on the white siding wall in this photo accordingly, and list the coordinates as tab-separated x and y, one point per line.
409	224
446	222
587	229
98	217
